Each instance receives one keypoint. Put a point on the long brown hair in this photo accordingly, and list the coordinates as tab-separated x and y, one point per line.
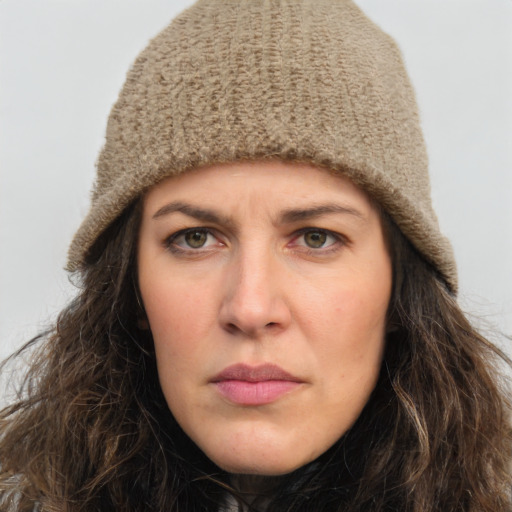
91	430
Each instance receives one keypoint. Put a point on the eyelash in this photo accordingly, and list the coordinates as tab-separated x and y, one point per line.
338	241
171	245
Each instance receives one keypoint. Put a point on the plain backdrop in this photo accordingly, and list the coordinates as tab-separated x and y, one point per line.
62	63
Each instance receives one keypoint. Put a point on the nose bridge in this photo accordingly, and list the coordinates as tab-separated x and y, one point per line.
253	298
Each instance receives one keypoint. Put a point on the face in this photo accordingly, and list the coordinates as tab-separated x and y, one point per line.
266	286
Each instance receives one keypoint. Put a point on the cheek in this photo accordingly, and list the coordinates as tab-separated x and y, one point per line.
174	324
174	311
176	319
361	312
350	312
352	347
181	313
348	322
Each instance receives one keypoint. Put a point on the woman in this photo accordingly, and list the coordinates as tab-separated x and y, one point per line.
267	316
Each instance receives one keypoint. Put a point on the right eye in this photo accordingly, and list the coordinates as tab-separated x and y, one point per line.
191	239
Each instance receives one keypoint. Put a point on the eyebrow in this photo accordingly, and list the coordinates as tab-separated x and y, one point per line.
202	214
287	216
301	214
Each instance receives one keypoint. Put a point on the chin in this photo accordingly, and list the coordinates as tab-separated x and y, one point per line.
266	462
261	448
255	467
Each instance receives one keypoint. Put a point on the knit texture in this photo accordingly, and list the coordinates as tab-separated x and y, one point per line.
302	80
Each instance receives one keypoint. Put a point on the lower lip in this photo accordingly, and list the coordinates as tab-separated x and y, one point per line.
242	392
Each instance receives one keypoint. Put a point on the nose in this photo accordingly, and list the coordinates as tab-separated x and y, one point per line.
254	300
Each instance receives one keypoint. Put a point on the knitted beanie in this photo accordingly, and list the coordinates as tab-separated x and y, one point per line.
300	80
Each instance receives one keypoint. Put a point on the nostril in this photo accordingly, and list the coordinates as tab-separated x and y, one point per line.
234	328
231	327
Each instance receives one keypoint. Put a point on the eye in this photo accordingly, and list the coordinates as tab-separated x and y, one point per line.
192	238
314	238
195	239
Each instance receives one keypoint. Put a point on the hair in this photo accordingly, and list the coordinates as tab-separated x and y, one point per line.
91	431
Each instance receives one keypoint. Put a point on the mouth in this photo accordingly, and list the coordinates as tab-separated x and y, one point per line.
242	384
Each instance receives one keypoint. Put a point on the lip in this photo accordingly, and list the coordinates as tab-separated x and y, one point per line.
243	384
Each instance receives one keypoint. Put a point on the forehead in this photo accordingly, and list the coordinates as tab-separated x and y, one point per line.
258	185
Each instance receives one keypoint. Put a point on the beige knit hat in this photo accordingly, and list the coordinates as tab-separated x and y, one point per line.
307	80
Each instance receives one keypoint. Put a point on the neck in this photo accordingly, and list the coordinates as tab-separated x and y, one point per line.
256	490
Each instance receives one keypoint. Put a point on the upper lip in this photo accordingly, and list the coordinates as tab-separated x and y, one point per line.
257	373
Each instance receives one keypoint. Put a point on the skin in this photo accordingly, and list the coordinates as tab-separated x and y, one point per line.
259	290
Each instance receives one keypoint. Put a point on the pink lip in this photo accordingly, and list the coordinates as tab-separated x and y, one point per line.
254	385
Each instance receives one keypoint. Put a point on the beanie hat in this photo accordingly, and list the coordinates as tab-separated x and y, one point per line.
300	80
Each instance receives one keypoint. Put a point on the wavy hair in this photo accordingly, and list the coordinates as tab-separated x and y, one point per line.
91	431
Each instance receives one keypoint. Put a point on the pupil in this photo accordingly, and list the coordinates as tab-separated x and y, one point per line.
315	239
196	239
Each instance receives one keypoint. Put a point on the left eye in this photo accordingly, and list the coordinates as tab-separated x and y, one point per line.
316	238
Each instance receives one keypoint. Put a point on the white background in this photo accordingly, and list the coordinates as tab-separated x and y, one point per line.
62	63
